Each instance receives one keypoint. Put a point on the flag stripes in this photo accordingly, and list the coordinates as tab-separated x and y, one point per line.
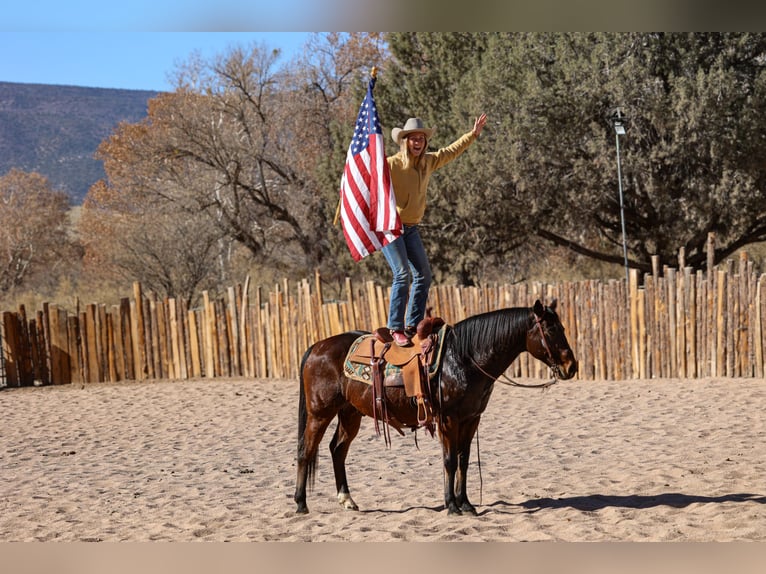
368	205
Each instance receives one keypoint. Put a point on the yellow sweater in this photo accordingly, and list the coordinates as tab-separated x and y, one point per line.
410	184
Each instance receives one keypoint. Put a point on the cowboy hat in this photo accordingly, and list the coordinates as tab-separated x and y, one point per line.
412	125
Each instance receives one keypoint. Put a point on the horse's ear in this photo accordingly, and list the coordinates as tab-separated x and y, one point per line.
553	304
539	309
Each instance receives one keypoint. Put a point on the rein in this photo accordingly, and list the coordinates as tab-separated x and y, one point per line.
510	382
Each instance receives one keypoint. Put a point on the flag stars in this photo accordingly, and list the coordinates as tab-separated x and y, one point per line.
367	123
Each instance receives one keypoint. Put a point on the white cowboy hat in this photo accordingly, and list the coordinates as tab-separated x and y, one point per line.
412	125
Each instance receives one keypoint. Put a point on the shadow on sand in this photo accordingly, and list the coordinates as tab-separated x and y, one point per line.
596	502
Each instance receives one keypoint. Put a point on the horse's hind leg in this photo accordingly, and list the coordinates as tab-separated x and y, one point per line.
349	421
307	456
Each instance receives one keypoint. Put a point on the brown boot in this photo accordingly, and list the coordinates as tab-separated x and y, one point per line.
401	339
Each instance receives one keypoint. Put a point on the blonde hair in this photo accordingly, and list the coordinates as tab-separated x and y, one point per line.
409	160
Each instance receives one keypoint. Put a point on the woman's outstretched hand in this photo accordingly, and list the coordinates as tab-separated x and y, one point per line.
478	125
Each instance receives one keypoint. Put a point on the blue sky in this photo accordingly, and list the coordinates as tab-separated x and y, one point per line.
137	44
172	15
121	59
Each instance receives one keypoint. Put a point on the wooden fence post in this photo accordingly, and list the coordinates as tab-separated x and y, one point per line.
11	344
60	358
138	334
758	329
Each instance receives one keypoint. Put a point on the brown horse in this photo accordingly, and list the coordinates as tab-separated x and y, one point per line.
476	352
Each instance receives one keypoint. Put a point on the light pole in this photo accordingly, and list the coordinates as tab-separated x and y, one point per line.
619	130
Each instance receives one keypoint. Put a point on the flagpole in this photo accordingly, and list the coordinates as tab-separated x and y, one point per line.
337	213
373	75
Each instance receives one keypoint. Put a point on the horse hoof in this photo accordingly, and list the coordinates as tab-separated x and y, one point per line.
453	510
346	501
302	510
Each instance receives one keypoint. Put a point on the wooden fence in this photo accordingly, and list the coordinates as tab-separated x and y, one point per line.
679	324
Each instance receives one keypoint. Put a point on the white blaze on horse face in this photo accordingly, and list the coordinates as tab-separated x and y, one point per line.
345	500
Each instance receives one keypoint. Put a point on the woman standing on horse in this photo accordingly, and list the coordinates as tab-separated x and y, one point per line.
411	168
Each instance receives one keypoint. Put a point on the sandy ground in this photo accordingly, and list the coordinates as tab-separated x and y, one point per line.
660	460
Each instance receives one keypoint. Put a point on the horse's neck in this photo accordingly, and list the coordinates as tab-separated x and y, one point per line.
498	361
504	347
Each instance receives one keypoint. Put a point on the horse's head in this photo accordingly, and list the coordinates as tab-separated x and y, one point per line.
547	342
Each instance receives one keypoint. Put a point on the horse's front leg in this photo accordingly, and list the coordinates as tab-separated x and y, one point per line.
449	438
467	432
349	421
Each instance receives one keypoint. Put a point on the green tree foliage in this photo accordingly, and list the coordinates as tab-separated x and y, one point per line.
692	158
545	168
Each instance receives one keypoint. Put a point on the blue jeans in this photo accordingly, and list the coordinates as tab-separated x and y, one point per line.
407	258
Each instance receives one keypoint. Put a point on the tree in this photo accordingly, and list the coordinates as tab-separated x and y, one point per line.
544	171
250	146
130	236
34	243
693	160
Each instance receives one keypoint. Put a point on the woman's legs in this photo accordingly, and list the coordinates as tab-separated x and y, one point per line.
407	258
396	256
421	277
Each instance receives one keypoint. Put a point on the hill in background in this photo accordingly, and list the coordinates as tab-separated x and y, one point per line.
55	130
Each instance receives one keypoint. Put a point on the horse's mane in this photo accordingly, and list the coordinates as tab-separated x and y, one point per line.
498	327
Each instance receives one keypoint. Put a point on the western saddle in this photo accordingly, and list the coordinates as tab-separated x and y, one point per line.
375	359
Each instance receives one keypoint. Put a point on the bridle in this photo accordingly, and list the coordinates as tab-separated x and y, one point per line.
555	369
544	340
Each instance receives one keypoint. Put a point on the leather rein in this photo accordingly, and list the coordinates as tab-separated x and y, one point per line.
503	378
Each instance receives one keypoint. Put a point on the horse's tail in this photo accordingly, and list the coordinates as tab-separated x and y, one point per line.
302	421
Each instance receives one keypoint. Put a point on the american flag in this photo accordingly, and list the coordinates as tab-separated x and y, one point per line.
367	202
